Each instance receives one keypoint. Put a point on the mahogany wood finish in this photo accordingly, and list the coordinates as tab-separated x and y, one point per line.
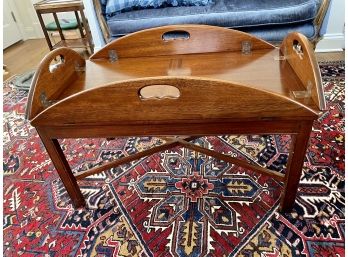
209	87
297	50
50	81
61	164
217	101
202	39
294	167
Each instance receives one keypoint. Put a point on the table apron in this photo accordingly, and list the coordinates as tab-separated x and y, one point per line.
192	129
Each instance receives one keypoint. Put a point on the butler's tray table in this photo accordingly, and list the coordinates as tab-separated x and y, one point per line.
188	81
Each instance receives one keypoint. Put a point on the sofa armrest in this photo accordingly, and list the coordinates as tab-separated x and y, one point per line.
316	23
101	20
319	19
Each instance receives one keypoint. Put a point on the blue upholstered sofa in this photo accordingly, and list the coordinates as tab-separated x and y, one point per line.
267	19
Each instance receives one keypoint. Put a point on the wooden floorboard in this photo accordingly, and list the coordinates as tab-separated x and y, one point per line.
329	57
26	55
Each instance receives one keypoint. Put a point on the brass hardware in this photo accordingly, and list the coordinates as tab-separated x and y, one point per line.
113	56
79	68
44	101
246	47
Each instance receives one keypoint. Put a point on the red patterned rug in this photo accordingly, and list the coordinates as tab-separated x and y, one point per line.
179	202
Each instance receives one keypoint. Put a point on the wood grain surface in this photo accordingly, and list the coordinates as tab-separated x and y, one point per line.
222	90
260	69
304	64
202	39
52	84
200	99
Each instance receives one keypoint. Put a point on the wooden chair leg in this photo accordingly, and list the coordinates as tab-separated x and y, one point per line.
295	165
61	164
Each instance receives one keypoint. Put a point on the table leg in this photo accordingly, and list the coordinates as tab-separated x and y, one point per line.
64	171
295	165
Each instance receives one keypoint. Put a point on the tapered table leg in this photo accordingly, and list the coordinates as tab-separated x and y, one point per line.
295	165
61	164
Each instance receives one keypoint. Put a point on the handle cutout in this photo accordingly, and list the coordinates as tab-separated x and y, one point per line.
158	92
297	47
175	35
57	62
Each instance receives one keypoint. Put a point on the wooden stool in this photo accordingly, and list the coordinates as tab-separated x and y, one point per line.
77	7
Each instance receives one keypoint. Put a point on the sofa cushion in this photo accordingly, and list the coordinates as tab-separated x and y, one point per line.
276	34
279	32
113	7
224	13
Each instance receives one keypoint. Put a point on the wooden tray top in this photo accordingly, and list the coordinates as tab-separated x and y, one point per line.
219	73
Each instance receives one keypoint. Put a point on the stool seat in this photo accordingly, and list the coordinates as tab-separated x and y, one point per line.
65	24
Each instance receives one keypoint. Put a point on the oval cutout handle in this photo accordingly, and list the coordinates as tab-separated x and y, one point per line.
176	35
297	47
56	63
158	92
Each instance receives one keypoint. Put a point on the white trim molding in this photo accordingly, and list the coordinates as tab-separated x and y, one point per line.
331	43
333	39
96	32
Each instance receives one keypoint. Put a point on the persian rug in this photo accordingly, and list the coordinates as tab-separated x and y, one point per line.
178	202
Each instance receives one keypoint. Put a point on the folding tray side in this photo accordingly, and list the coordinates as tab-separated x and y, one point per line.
298	52
180	39
58	70
170	100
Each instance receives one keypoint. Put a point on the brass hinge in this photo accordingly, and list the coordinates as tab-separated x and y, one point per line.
113	57
44	101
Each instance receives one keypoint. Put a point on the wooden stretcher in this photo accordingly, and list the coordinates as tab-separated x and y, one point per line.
189	81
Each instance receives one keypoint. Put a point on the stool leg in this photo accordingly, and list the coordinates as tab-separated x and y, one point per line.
61	164
295	165
87	30
79	24
62	37
44	30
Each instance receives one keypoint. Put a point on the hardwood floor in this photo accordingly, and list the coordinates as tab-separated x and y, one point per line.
334	56
26	55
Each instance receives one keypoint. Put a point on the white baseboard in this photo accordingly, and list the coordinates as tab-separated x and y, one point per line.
331	43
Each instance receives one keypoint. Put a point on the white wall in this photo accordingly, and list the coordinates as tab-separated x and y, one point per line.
25	14
333	28
96	32
27	20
